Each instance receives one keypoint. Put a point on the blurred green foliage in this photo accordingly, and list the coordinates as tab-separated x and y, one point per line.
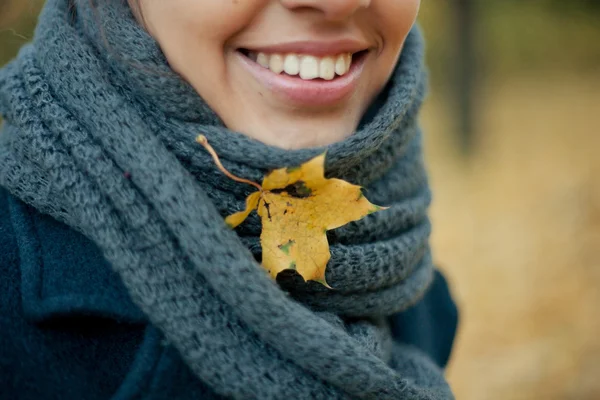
17	21
515	37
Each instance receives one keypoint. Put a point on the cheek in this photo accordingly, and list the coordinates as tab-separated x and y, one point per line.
394	19
206	20
193	33
397	17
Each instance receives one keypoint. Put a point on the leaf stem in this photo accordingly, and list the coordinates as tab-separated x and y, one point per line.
204	142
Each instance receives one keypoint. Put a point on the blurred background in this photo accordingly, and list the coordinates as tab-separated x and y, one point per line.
513	129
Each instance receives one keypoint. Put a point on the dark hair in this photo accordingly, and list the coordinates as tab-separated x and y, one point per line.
73	7
137	11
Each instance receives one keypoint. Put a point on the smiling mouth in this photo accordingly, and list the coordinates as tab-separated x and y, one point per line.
304	80
305	66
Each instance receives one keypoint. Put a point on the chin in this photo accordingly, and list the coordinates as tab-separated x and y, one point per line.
305	133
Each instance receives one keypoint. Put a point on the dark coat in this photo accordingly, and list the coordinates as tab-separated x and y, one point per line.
68	329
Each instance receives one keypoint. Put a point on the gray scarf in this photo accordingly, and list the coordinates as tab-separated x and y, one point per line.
99	133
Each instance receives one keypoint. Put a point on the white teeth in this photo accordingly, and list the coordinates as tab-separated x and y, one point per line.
340	65
291	64
327	68
307	66
348	61
276	63
263	60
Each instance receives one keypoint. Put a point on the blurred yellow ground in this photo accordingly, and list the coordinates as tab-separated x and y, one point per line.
517	229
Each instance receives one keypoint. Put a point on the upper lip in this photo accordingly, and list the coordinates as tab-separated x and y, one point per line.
316	48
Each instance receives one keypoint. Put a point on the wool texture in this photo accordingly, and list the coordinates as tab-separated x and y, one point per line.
100	134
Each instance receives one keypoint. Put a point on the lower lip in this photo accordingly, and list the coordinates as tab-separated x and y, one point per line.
316	92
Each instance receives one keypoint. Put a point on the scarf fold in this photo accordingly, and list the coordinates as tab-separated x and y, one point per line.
100	133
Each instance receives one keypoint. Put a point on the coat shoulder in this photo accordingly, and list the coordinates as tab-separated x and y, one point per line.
68	329
50	342
431	324
9	257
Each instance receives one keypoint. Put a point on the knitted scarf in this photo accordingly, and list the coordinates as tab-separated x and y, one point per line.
100	134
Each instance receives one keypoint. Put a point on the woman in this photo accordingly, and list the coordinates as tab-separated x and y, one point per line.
120	278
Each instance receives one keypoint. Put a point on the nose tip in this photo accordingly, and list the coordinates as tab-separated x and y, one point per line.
332	9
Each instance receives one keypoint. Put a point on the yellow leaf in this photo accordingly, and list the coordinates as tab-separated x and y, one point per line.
251	202
297	206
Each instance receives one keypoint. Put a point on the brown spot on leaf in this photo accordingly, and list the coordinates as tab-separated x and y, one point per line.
297	189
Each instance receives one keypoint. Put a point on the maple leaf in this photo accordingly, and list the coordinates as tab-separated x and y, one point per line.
297	206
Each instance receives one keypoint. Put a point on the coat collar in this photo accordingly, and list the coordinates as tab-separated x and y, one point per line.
63	273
